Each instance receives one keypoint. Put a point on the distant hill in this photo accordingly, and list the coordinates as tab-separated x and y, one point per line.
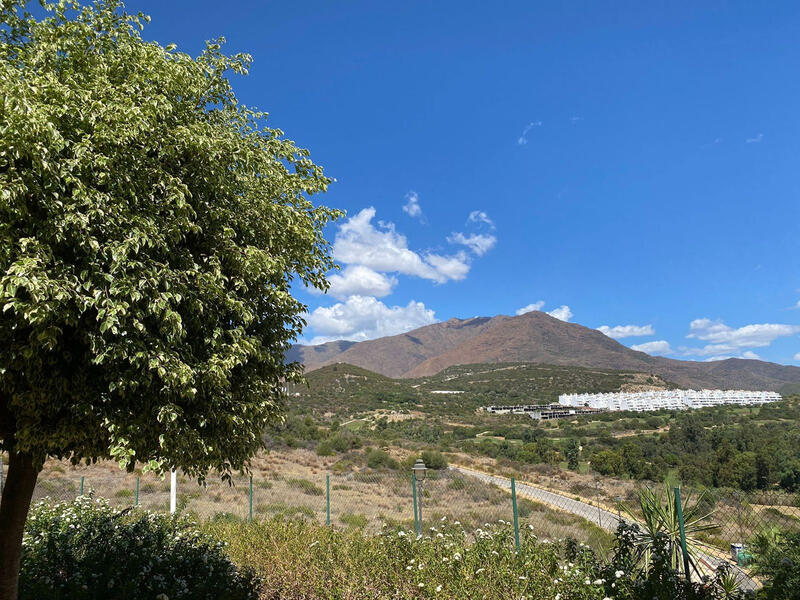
344	389
534	337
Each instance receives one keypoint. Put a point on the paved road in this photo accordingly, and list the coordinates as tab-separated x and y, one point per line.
603	518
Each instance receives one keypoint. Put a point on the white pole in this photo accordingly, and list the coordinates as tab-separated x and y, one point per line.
173	491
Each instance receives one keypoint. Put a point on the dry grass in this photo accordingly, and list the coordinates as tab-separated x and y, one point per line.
292	484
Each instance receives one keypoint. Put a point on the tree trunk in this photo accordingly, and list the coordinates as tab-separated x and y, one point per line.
14	507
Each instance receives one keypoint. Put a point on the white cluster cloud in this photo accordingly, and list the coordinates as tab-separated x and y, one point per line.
412	207
755	140
359	242
625	331
562	313
362	318
654	347
797	357
373	255
531	307
358	280
725	341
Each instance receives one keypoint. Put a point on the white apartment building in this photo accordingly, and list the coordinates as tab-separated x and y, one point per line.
667	399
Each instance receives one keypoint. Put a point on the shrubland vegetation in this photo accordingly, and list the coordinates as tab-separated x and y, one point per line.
745	448
73	550
447	562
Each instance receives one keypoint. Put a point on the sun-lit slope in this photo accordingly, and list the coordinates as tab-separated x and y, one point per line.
534	337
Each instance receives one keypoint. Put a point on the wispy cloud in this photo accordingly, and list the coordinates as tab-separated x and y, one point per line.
754	140
412	207
523	138
727	341
479	243
479	216
575	119
624	331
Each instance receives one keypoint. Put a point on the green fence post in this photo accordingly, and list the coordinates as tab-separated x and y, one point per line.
82	485
679	510
250	518
136	496
516	514
414	495
327	499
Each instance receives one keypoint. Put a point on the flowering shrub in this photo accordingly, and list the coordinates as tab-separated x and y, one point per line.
305	560
301	560
87	549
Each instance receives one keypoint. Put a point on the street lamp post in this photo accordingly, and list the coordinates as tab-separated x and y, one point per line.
419	469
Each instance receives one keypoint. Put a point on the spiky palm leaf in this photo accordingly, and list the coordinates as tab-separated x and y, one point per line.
659	517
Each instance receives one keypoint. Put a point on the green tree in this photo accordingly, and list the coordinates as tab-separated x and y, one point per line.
572	454
607	462
152	227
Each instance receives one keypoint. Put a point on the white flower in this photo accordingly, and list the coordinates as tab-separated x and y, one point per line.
456	556
420	585
401	534
619	574
439	588
599	581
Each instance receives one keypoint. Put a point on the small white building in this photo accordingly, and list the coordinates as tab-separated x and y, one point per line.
668	399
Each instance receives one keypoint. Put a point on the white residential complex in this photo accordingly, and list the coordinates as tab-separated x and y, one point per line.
667	399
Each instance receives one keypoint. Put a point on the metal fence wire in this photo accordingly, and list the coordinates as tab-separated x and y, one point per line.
370	499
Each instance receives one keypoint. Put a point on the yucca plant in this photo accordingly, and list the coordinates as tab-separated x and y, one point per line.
659	518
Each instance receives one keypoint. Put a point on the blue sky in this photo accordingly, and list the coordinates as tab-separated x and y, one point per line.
625	164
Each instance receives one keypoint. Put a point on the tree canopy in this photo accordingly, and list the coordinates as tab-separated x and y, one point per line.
151	229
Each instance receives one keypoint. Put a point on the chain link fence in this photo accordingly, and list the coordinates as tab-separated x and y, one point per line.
368	499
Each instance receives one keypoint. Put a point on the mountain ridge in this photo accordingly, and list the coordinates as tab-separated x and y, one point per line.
533	337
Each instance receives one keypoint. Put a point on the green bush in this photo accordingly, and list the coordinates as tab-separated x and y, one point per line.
355	521
778	561
85	549
377	459
305	486
434	459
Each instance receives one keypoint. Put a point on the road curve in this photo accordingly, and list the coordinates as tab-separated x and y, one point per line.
603	518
